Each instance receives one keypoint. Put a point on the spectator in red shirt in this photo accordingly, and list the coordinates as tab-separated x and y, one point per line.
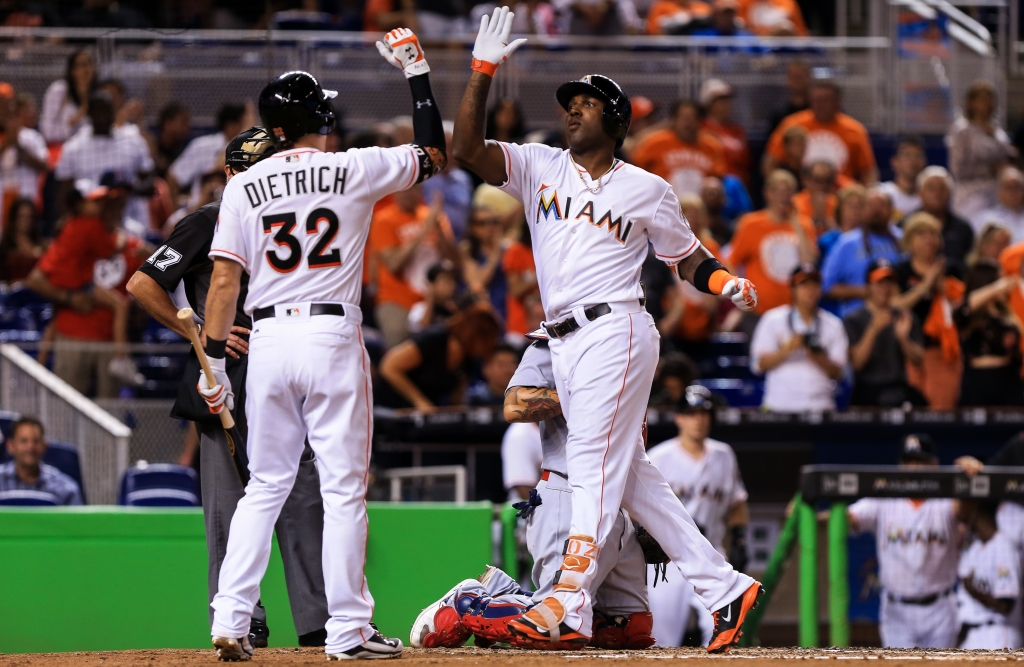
523	313
79	272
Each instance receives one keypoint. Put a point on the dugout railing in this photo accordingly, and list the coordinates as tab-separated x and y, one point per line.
837	486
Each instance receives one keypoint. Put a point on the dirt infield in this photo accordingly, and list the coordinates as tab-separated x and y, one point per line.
473	657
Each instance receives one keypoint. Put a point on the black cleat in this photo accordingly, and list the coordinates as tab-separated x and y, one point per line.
315	638
259	633
729	620
375	648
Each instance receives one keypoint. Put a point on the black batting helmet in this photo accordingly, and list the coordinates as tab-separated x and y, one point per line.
618	112
294	104
248	148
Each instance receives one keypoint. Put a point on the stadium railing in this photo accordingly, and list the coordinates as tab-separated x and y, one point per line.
100	439
205	69
839	485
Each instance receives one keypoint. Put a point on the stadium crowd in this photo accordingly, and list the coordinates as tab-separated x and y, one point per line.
904	292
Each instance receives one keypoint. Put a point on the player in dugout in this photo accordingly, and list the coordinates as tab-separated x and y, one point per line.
184	258
918	549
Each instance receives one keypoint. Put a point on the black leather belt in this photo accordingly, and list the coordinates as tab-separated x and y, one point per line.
923	601
314	309
568	325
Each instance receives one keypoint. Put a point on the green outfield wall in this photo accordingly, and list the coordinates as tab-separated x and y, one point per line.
107	578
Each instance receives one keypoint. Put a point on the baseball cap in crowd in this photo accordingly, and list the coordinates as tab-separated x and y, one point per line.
115	180
880	269
918	447
696	398
714	89
642	107
6	91
437	269
90	189
489	198
804	272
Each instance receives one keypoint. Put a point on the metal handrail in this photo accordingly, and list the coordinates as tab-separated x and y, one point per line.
396	475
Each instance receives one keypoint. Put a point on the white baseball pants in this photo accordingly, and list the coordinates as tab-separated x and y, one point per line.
620	569
992	637
672	602
307	376
919	626
603	373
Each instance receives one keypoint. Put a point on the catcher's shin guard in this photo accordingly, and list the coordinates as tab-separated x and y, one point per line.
623	632
488	618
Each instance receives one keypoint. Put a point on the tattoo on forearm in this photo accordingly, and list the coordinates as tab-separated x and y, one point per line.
533	404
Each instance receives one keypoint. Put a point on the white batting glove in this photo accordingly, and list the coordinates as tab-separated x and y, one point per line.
492	47
220	393
742	293
402	49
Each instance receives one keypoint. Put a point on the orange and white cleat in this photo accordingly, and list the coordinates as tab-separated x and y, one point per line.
544	624
729	620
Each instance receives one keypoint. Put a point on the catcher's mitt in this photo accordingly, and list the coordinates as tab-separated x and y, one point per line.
653	553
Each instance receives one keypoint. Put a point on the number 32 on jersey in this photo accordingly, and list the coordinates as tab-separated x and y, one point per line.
287	260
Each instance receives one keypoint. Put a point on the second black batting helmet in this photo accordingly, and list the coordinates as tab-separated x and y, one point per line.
248	148
618	112
294	104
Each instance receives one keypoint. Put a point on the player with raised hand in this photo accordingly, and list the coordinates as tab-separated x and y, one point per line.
591	220
309	374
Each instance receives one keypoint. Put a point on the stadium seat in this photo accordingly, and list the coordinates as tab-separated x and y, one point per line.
27	498
159	485
734	367
7	419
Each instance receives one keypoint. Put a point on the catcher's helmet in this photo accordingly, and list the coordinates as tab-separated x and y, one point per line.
294	104
618	112
248	148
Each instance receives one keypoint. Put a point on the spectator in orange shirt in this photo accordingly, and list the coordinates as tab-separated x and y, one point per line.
773	18
716	98
818	199
522	301
406	239
831	136
682	154
690	314
769	244
676	17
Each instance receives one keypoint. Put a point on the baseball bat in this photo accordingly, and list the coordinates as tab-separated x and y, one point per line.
185	314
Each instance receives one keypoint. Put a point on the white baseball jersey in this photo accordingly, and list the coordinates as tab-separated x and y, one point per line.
916	543
298	221
707	486
995	568
589	247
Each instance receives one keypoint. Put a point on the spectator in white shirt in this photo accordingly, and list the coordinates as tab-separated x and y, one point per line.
907	162
99	150
1009	213
23	150
800	349
66	102
203	154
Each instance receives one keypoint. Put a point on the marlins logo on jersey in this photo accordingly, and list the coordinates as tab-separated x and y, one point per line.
549	207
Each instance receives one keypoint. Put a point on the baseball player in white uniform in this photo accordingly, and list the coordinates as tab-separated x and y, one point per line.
918	553
484	607
705	476
592	218
297	223
989	594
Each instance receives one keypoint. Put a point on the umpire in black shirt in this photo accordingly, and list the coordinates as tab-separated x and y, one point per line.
300	528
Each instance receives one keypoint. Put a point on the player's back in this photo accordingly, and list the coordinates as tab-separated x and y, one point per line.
298	221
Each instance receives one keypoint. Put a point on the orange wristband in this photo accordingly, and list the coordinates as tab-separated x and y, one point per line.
485	67
718	279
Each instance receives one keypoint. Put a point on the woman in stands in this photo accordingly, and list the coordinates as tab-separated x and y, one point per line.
851	211
932	289
432	367
978	149
20	246
505	121
66	102
992	241
990	337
